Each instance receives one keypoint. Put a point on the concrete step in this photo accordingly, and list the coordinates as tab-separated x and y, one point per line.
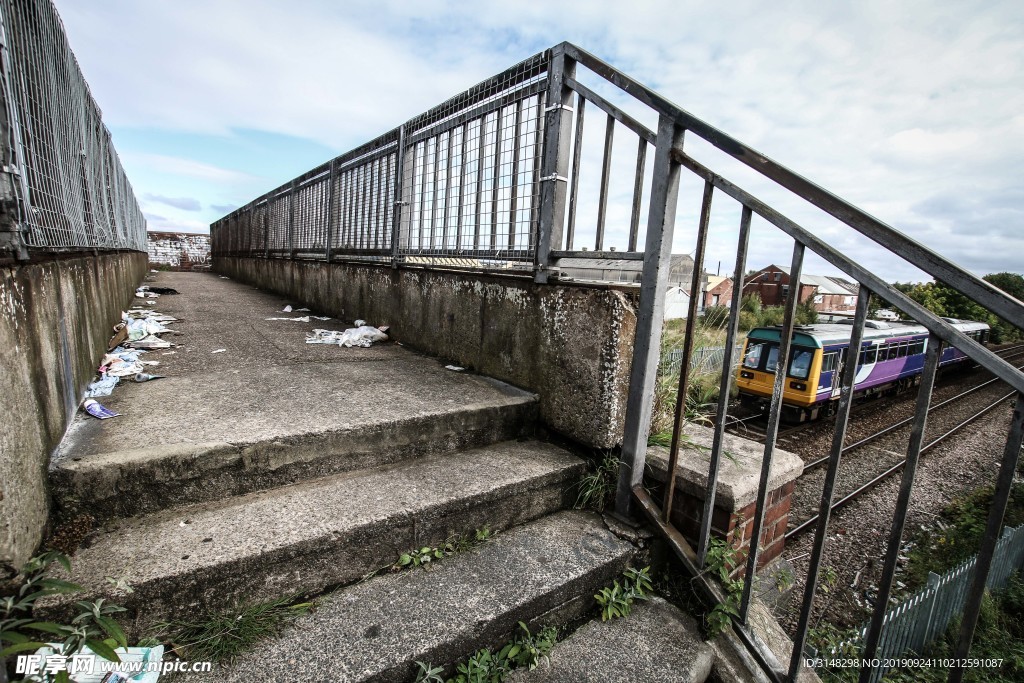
544	572
656	642
447	411
308	537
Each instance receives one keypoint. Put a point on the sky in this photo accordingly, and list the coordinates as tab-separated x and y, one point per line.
913	111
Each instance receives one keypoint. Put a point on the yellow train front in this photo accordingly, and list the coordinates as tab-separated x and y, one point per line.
755	377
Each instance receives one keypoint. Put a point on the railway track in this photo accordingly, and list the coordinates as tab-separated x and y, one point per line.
890	470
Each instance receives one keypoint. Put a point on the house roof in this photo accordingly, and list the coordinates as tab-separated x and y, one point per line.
715	280
824	283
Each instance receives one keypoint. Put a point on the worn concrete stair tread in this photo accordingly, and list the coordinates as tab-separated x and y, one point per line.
193	468
326	532
656	642
374	631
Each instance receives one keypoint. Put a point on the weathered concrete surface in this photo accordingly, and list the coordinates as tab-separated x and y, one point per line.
270	410
732	661
569	343
739	473
374	631
307	537
656	642
56	316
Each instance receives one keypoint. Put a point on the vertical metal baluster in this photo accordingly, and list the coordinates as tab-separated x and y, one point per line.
996	515
399	206
924	395
606	172
433	192
643	374
447	191
266	230
380	220
422	199
577	153
638	194
479	181
371	223
726	385
291	221
515	177
774	416
555	165
849	376
330	210
538	136
684	365
460	209
496	177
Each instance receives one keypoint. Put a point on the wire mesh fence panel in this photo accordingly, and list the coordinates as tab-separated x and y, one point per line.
464	178
72	191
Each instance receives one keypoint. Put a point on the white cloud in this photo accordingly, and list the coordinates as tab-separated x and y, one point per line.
886	104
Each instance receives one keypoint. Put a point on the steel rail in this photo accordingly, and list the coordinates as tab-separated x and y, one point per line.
856	493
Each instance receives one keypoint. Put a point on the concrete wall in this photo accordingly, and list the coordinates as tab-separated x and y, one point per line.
57	315
178	250
570	344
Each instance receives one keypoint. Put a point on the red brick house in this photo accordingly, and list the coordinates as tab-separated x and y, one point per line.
718	291
772	285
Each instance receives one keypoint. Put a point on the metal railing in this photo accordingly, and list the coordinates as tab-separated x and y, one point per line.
533	212
62	182
456	186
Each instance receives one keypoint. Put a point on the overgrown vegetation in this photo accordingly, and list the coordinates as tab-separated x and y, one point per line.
957	533
419	557
597	487
722	558
93	625
943	300
617	600
526	650
225	635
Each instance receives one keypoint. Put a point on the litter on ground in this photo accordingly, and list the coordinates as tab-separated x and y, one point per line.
218	351
363	336
454	368
97	410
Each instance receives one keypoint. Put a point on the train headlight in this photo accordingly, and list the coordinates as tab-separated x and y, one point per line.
746	375
799	386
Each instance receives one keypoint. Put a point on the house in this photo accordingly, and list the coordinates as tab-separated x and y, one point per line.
828	294
629	271
718	291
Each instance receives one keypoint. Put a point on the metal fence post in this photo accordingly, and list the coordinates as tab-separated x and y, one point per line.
396	216
651	314
330	210
555	164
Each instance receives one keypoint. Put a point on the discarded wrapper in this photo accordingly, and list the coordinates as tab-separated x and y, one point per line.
360	323
287	309
454	368
363	336
146	377
102	387
218	351
97	410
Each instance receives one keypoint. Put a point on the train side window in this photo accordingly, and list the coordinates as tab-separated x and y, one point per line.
870	355
902	350
917	347
753	357
773	359
828	362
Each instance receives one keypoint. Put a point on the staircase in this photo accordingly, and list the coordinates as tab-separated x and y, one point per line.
201	524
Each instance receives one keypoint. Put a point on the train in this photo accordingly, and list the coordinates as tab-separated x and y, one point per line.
891	359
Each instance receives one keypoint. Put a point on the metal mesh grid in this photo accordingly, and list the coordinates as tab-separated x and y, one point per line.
71	188
469	187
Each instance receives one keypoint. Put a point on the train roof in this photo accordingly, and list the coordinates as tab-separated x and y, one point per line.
823	334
